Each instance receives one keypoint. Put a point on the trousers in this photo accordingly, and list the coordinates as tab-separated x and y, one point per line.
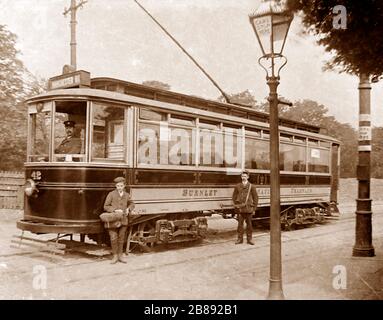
117	239
249	227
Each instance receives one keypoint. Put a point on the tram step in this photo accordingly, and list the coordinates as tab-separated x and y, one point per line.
38	246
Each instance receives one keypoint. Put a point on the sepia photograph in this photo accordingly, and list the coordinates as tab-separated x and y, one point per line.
199	152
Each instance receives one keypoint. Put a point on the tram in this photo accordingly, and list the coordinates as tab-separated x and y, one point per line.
181	156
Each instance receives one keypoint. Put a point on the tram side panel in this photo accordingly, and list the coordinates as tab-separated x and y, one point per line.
67	199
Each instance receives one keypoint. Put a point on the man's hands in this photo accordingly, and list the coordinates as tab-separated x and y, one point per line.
131	212
127	212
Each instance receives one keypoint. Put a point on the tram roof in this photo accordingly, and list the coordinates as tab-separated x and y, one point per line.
83	81
143	91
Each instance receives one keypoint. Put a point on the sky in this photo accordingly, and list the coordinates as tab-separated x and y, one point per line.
117	39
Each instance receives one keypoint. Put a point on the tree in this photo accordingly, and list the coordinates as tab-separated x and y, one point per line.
357	45
245	98
157	84
307	111
11	68
12	115
16	84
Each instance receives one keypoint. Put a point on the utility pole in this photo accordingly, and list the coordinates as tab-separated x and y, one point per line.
363	231
73	11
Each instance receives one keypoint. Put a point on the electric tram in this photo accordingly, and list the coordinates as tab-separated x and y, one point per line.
181	156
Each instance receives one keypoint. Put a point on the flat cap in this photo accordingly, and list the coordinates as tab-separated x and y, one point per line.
119	179
69	123
245	172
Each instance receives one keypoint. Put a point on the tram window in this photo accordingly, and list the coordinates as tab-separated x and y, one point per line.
257	154
325	144
40	132
206	124
151	115
232	148
69	140
161	144
233	128
239	114
292	158
108	133
111	87
211	148
313	142
319	160
266	134
149	144
181	146
299	140
253	132
180	120
286	137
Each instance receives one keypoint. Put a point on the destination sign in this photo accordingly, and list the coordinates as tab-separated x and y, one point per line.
77	79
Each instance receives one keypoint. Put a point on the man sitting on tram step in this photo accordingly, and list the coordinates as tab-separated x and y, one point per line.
70	145
118	205
245	199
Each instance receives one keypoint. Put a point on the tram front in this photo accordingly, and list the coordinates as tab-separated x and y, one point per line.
65	185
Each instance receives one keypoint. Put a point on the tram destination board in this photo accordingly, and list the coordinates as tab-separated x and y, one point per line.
75	79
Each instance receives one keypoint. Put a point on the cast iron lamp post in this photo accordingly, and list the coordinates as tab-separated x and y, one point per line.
271	23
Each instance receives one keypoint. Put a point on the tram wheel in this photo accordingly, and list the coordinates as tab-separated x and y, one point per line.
288	225
142	231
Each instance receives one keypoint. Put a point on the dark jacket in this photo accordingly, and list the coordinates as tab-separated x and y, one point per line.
114	202
69	145
240	194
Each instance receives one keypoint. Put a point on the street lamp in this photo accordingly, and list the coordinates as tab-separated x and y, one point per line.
271	23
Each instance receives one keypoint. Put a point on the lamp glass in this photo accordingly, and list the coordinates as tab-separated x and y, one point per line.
263	28
281	26
271	30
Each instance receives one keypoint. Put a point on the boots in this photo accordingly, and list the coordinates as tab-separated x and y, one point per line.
249	237
114	245
121	257
239	241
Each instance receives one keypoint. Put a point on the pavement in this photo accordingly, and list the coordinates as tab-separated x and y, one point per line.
317	264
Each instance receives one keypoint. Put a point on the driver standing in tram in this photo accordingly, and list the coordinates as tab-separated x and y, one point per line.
118	205
70	145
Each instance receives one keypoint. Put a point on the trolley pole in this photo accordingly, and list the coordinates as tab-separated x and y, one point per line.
363	229
73	22
275	281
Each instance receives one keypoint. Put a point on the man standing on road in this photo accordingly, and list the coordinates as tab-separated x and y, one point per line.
245	199
118	206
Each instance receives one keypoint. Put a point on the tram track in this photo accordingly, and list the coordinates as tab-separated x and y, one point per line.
223	236
213	240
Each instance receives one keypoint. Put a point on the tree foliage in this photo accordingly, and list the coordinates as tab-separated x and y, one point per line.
357	49
12	115
11	68
245	98
157	84
16	84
